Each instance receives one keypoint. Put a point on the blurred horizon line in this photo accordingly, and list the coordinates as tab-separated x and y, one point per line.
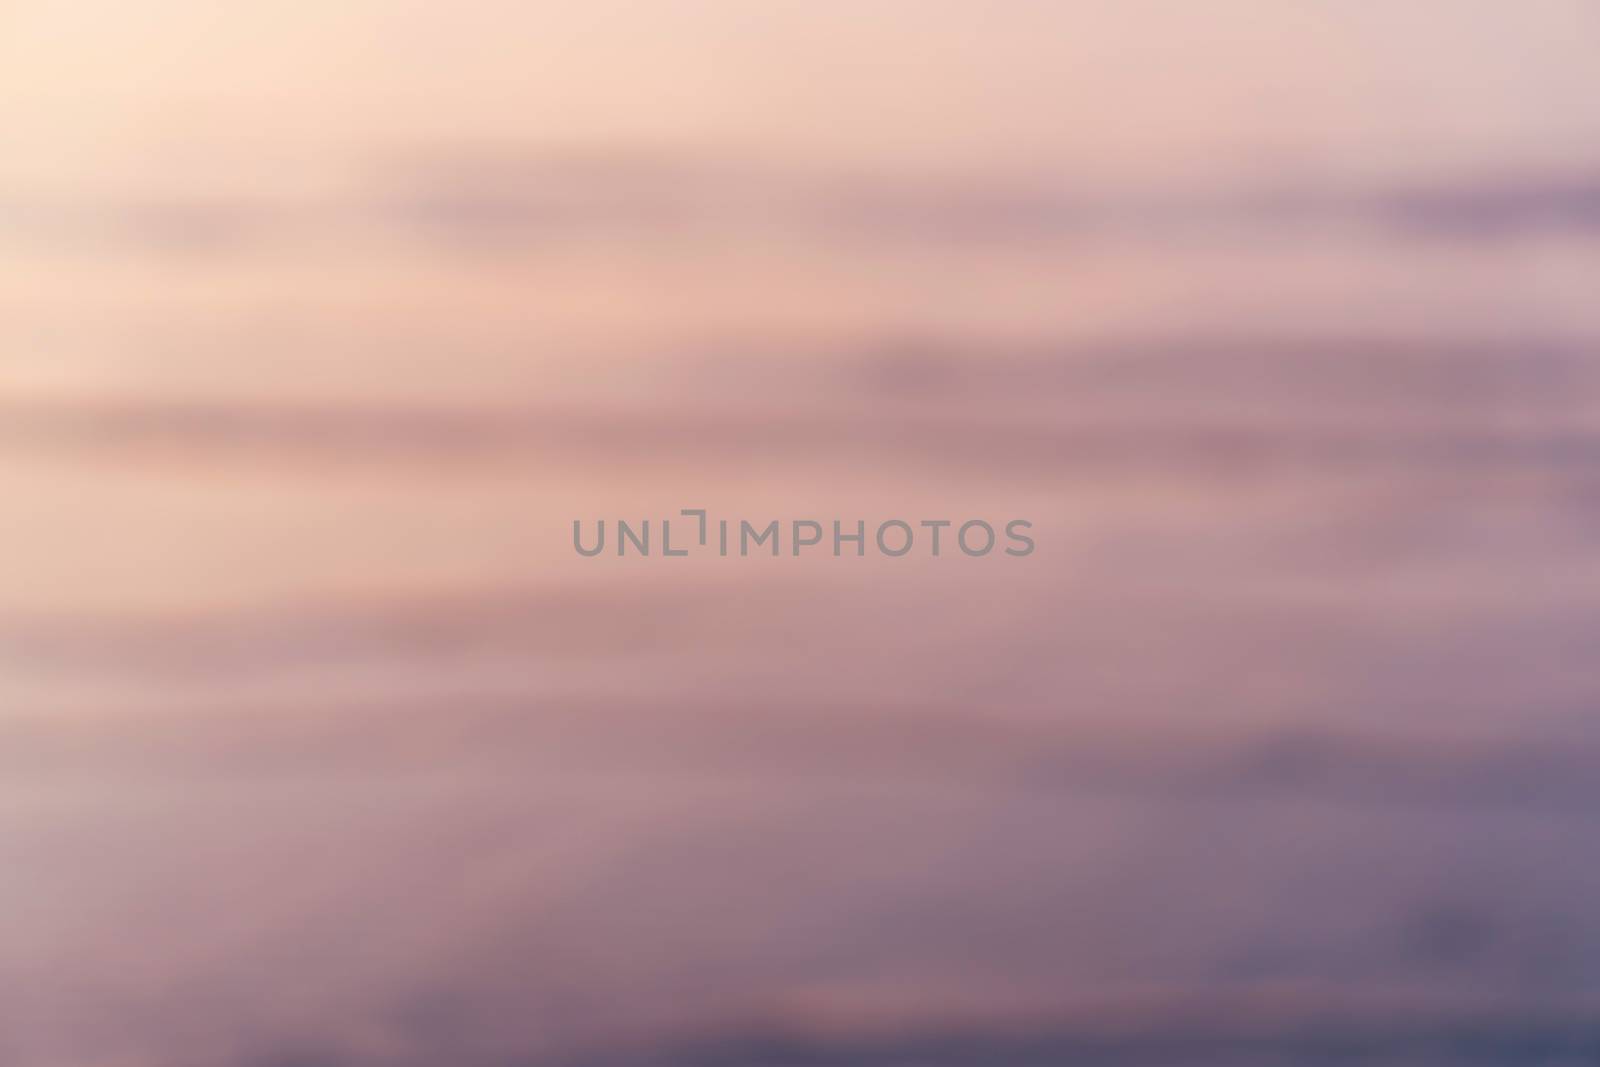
505	200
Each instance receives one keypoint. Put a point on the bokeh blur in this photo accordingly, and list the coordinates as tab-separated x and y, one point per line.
320	323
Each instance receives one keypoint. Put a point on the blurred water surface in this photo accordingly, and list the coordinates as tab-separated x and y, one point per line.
319	745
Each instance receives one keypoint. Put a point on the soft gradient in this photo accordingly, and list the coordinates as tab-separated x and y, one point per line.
321	322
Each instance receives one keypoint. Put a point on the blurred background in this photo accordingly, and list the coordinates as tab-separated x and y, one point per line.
321	322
